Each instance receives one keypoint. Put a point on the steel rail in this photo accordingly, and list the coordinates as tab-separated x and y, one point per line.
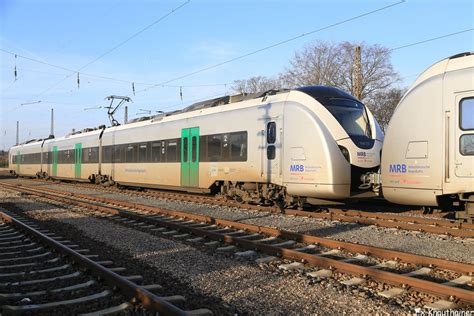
148	299
437	289
430	225
390	221
348	246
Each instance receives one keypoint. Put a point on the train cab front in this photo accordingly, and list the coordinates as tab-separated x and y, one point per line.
357	134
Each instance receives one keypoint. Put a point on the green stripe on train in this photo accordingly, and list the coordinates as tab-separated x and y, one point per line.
77	160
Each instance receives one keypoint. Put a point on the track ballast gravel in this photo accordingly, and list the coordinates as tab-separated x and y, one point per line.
224	285
440	246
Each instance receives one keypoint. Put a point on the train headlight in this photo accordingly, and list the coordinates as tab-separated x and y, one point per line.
345	153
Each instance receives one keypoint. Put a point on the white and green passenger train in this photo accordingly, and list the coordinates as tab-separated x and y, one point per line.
289	147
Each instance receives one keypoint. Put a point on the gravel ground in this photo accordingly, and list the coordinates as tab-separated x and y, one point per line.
242	287
440	246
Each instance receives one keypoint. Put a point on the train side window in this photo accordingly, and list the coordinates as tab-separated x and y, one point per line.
131	153
107	154
94	157
163	151
225	147
214	143
467	114
466	145
172	150
178	149
117	154
67	156
271	152
155	152
185	150
85	155
203	148
271	133
238	146
142	152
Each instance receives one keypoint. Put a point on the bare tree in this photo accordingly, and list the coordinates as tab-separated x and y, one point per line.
256	84
317	64
383	104
323	63
332	64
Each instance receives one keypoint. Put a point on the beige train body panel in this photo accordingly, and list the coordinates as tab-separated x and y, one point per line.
421	157
308	136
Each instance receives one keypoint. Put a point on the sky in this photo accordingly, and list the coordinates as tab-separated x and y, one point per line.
95	38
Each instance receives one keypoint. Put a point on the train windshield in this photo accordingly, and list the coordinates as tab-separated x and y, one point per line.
351	114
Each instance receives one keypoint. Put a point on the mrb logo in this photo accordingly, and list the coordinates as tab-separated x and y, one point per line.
296	168
397	168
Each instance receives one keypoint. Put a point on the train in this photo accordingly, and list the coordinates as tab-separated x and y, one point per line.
428	151
312	144
287	147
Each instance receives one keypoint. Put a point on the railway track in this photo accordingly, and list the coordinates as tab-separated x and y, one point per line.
41	272
401	273
388	220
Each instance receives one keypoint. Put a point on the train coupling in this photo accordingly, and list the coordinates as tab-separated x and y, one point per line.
371	180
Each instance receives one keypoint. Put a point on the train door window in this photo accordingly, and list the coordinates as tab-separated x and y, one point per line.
271	139
193	149
271	152
185	149
142	152
155	152
467	114
466	144
271	133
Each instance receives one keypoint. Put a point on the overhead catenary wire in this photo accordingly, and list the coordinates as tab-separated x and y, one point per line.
276	44
431	39
85	74
118	45
225	84
163	84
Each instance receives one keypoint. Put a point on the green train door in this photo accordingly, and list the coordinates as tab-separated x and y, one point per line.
55	161
190	157
77	160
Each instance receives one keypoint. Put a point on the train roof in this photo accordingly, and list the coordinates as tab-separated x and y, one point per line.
325	92
317	92
455	62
